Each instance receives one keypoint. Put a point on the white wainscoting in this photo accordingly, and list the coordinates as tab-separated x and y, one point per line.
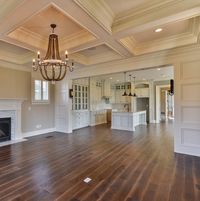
187	94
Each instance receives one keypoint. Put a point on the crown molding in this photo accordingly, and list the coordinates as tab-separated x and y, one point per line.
99	11
166	57
26	36
80	58
15	58
75	40
10	65
104	57
162	13
187	38
160	44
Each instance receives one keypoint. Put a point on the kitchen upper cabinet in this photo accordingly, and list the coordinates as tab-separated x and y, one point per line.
142	92
119	90
106	88
95	92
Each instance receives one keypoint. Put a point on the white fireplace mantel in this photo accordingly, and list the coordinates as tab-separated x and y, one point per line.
12	108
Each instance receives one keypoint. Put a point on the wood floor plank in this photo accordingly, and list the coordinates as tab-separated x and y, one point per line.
124	166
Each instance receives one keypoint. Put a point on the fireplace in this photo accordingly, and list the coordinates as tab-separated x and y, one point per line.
5	129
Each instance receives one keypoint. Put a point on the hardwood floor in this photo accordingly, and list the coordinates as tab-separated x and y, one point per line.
123	167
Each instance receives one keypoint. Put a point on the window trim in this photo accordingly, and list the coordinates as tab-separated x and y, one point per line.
33	92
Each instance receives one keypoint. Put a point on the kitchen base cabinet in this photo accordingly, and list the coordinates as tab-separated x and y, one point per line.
98	117
80	119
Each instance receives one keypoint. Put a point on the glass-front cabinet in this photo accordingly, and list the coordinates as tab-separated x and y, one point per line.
80	99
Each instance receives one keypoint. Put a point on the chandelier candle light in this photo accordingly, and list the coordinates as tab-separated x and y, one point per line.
52	67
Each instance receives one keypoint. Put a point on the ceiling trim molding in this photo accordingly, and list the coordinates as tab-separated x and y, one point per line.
75	40
167	57
15	58
158	45
187	38
166	12
99	11
23	35
6	64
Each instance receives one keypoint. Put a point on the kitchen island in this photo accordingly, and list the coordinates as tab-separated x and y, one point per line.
128	120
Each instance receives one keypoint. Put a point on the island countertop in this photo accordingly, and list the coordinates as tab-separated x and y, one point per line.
122	120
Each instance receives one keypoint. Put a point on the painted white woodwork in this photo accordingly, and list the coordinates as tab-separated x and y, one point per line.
11	108
158	101
128	120
112	97
95	93
80	119
106	88
63	105
142	92
98	117
119	90
187	95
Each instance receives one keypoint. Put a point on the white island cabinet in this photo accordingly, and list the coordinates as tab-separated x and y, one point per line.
128	120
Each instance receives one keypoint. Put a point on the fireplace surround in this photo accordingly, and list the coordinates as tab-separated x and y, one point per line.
11	108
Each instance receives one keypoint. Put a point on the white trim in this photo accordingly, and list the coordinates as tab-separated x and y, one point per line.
158	89
9	142
38	132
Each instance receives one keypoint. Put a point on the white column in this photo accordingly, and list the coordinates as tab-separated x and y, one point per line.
63	106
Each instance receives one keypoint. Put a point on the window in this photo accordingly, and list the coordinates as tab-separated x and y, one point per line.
40	91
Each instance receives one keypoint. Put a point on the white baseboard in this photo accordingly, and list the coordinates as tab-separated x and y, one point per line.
38	132
193	151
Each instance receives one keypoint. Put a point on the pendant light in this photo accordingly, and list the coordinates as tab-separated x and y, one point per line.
125	94
130	94
134	94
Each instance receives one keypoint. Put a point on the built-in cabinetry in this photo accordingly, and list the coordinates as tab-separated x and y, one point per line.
142	90
95	92
128	120
98	117
81	119
106	89
80	103
118	90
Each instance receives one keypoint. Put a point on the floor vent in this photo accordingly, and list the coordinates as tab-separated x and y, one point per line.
87	180
49	136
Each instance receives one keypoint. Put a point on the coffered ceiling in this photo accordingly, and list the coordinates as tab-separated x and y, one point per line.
97	31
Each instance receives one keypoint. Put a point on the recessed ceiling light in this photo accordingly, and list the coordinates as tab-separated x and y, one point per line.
158	68
110	78
158	30
117	80
144	79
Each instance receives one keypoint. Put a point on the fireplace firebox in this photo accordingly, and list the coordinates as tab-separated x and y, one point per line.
5	129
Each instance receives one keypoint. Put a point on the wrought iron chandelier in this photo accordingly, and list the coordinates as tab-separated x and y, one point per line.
52	67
